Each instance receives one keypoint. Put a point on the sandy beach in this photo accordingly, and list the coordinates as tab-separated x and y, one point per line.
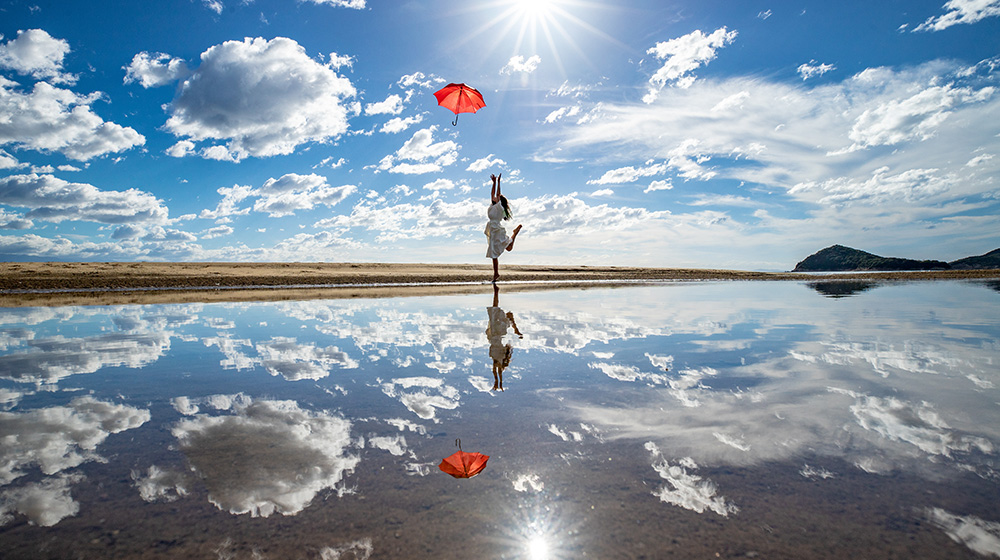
103	283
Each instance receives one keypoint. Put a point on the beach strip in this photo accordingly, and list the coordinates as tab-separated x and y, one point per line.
104	283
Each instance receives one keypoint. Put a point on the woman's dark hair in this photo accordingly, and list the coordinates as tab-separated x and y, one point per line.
506	208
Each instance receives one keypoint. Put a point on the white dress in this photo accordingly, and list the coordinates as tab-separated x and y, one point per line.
495	333
495	232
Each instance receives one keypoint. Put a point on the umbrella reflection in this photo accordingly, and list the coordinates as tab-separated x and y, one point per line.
500	351
463	465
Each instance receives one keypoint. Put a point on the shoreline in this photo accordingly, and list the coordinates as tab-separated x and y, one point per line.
103	283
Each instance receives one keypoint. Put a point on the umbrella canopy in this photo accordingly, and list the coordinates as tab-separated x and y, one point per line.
464	465
460	98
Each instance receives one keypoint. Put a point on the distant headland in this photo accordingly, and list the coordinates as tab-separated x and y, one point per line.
838	258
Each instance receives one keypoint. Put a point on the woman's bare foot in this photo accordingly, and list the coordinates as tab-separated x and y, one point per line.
510	246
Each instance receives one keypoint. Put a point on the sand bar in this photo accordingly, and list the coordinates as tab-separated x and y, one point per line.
101	283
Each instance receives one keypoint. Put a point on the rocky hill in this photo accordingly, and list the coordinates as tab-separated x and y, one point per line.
840	258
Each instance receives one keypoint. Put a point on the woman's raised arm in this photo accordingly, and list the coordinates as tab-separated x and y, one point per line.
495	191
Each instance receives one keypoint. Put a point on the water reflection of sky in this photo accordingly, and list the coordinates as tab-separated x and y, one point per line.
678	400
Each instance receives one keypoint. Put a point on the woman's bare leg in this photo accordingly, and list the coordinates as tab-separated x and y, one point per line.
496	270
510	246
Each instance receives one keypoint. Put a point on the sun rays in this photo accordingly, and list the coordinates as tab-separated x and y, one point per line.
547	28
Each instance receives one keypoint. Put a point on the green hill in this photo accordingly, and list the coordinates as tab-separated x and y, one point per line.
840	258
988	261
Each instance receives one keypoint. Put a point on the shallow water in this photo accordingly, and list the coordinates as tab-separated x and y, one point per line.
738	419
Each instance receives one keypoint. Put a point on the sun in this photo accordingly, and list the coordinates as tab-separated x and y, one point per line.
534	9
548	28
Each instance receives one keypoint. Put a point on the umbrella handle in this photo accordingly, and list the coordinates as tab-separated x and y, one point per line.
455	122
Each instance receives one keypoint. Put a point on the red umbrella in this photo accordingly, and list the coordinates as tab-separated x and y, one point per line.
460	98
463	465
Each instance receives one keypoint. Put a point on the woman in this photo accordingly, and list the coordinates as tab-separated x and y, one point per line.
495	232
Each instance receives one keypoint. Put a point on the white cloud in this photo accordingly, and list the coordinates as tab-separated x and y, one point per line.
160	485
218	231
629	174
293	192
683	55
44	503
419	79
160	234
482	164
36	53
127	232
61	437
37	246
356	4
231	197
520	64
12	220
979	535
401	190
338	61
55	200
918	425
900	135
8	161
266	456
392	105
331	163
724	200
262	97
395	445
50	119
602	192
296	361
663	185
882	187
566	90
734	101
423	395
561	113
181	149
961	12
152	70
420	154
397	124
440	185
279	197
214	5
915	117
53	359
812	69
687	490
979	160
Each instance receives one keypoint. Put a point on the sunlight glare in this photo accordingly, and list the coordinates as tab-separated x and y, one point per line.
533	8
538	548
545	28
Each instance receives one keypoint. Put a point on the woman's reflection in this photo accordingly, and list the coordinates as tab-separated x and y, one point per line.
500	321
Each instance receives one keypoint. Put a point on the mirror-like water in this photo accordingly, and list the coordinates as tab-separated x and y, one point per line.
772	420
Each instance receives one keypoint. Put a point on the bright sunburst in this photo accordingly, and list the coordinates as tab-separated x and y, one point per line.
534	8
534	27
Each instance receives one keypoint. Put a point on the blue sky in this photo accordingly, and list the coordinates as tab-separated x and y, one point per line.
742	135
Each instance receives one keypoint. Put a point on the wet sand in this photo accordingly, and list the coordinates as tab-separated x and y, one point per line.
74	283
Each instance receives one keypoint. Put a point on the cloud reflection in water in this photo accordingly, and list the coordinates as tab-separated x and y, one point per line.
266	456
677	381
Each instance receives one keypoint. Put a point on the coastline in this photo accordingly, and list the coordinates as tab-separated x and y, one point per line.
102	283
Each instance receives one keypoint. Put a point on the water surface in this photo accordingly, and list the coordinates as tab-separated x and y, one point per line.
738	419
